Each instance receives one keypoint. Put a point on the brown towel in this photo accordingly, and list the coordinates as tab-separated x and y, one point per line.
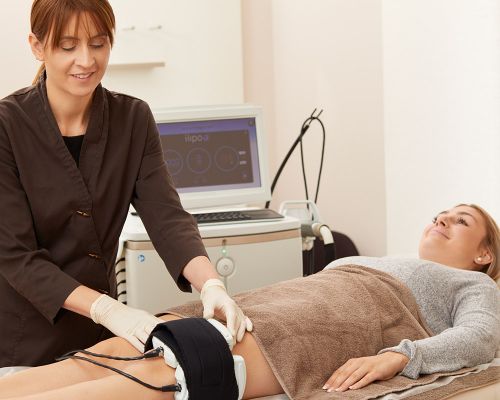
308	327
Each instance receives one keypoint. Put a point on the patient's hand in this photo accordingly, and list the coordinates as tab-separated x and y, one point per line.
359	372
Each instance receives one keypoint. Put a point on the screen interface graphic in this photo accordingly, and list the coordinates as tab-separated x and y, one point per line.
212	154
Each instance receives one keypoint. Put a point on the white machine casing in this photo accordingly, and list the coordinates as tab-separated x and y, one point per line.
246	255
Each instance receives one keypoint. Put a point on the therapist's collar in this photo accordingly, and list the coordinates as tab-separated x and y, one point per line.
98	110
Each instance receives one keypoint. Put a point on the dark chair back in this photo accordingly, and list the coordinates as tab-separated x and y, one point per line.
314	260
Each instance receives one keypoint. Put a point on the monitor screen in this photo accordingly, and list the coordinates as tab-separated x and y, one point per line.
215	155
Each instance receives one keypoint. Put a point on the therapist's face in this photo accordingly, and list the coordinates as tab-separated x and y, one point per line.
75	67
455	239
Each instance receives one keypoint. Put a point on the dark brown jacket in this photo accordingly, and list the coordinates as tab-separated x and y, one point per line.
60	224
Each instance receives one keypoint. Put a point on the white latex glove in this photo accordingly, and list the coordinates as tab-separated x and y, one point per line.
129	323
214	297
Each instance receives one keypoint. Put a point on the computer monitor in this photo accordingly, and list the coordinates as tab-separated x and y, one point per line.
216	155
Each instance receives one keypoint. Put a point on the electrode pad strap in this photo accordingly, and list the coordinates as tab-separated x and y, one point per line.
203	354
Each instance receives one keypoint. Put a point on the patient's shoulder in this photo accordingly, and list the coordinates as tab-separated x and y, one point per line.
353	260
377	262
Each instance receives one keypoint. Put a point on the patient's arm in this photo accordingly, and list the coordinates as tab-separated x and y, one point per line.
81	380
359	372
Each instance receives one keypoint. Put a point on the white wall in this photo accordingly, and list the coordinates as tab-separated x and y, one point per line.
304	54
19	66
200	43
441	111
411	92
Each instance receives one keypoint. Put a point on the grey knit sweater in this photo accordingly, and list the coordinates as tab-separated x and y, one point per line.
462	308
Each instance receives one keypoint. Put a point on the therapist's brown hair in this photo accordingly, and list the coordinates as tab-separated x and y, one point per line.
50	17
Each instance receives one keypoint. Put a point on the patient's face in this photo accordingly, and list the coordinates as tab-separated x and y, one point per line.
454	238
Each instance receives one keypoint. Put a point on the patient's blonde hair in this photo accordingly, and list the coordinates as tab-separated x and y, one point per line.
491	241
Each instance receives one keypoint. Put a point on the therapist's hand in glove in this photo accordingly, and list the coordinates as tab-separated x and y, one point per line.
216	300
129	323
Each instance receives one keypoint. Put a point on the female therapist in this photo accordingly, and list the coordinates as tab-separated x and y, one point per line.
73	157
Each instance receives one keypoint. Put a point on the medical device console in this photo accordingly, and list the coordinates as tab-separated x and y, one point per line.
215	155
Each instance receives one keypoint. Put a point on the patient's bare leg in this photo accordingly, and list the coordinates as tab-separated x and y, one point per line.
156	372
116	387
78	379
66	373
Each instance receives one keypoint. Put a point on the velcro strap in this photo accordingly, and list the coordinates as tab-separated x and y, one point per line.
203	354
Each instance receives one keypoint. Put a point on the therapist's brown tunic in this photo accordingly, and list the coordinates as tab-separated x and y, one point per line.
60	224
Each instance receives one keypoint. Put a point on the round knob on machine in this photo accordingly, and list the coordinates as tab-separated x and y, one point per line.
225	266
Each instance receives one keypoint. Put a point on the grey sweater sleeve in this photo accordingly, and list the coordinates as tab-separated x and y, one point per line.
472	340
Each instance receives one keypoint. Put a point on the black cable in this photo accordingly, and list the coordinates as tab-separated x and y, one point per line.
153	353
305	127
313	118
303	130
303	164
320	172
149	354
283	163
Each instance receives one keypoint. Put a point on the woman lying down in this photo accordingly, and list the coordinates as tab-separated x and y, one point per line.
360	320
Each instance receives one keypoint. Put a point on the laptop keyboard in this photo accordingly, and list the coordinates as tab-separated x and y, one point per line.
263	214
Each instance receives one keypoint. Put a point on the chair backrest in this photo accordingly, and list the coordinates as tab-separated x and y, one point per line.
314	260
